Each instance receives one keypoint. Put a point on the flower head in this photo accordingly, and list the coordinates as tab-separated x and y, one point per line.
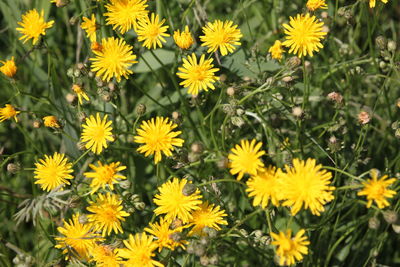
9	68
221	35
183	39
208	215
305	184
80	92
246	158
90	26
372	3
96	132
290	250
304	35
33	25
376	190
52	172
175	202
165	235
276	50
197	75
8	112
102	175
51	121
113	60
263	187
151	31
313	5
106	256
157	136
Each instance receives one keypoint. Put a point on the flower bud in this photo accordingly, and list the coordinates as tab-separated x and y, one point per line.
392	46
211	232
139	205
36	124
237	121
373	223
223	77
83	219
297	112
363	117
390	216
336	97
189	189
381	42
140	109
223	163
13	168
293	62
71	99
125	184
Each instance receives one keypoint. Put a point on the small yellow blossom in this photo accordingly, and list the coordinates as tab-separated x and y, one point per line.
33	25
184	39
9	68
96	132
313	5
290	249
372	3
90	26
51	121
151	31
8	112
276	50
80	92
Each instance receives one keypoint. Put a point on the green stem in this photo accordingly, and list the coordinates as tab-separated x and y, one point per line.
80	157
228	180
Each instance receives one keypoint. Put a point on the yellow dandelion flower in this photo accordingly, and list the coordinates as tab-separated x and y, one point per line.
106	256
151	31
208	215
33	25
372	3
102	175
96	132
376	190
139	251
165	236
184	39
176	202
305	184
246	158
221	35
52	172
9	68
8	112
263	187
51	121
157	136
113	59
90	26
107	214
80	92
199	75
313	5
78	238
290	250
276	50
124	14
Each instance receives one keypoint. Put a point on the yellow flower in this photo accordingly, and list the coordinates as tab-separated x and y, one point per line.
108	214
305	184
103	175
165	236
78	90
313	5
245	158
276	50
33	25
51	121
157	136
263	187
78	238
113	59
106	256
9	68
8	112
139	251
197	76
207	216
151	31
124	14
177	200
221	35
60	3
96	132
53	172
290	250
304	35
372	3
376	190
90	26
183	39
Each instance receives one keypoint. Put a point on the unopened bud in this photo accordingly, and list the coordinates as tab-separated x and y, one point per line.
189	189
287	79
223	163
211	232
73	20
125	184
106	97
237	121
176	117
373	223
197	147
140	109
390	216
112	87
139	205
223	77
392	46
297	112
363	117
381	42
336	97
81	146
293	62
230	91
71	98
36	124
83	219
82	116
13	168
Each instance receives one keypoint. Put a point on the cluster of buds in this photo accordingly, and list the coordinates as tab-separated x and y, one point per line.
134	201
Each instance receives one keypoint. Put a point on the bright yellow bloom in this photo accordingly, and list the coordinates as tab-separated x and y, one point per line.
90	26
106	256
176	200
78	90
304	35
376	190
102	175
151	31
33	25
263	187
139	251
108	214
8	112
208	215
246	158
51	121
157	136
165	236
313	5
221	35
197	76
113	59
372	3
78	238
290	250
96	132
305	184
124	14
9	68
183	39
276	50
53	172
